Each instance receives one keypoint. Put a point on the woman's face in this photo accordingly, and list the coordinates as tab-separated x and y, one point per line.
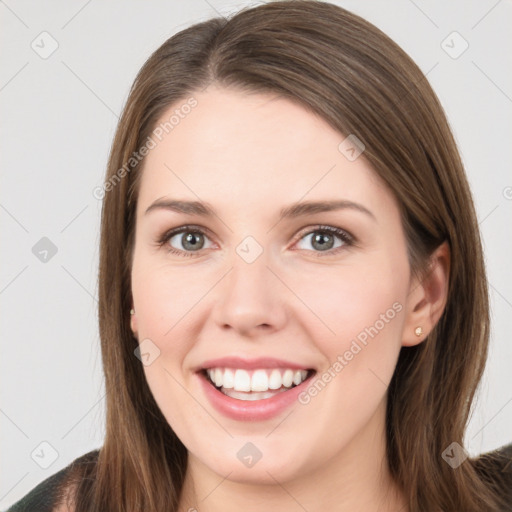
264	300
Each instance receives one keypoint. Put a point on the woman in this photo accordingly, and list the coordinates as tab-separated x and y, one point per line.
293	301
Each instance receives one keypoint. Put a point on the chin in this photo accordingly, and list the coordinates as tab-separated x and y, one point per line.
240	461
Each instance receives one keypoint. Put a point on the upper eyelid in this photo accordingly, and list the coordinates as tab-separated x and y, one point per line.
323	227
183	229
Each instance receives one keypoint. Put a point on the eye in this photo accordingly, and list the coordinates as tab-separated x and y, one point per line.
188	239
323	239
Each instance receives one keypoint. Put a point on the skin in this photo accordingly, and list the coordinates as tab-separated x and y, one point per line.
249	155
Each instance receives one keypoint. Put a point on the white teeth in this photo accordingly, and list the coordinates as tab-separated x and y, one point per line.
242	381
240	395
257	381
228	381
218	377
288	378
275	381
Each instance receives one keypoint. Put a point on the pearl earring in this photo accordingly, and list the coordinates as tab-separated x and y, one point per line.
132	312
418	331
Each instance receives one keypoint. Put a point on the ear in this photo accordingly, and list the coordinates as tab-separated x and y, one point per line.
427	298
133	322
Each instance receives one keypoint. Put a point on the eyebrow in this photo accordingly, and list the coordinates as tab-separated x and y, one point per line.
292	211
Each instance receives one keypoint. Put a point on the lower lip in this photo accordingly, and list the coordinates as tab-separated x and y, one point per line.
247	410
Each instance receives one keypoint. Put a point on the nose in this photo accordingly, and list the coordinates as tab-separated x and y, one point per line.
250	300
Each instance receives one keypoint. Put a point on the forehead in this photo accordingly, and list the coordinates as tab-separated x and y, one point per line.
251	148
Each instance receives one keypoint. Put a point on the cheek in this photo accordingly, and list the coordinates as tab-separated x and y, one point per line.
164	301
352	303
165	296
167	300
366	316
362	316
161	317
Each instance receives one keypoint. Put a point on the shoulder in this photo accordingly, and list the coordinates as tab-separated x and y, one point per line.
495	468
50	494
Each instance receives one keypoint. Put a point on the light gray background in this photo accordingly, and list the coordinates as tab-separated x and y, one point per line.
58	118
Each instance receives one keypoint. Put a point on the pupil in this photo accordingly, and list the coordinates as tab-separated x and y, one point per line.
191	241
321	239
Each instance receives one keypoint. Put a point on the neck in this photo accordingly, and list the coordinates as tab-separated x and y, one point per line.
357	478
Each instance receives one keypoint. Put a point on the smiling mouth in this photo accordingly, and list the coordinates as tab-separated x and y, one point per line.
259	384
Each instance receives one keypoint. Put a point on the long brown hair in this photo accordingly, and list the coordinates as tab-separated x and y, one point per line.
344	69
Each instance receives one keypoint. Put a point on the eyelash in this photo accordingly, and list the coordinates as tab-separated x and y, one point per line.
347	239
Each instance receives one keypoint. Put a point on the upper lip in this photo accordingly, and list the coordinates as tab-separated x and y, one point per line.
251	364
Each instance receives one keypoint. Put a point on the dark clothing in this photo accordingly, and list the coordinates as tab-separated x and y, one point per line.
495	466
47	495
